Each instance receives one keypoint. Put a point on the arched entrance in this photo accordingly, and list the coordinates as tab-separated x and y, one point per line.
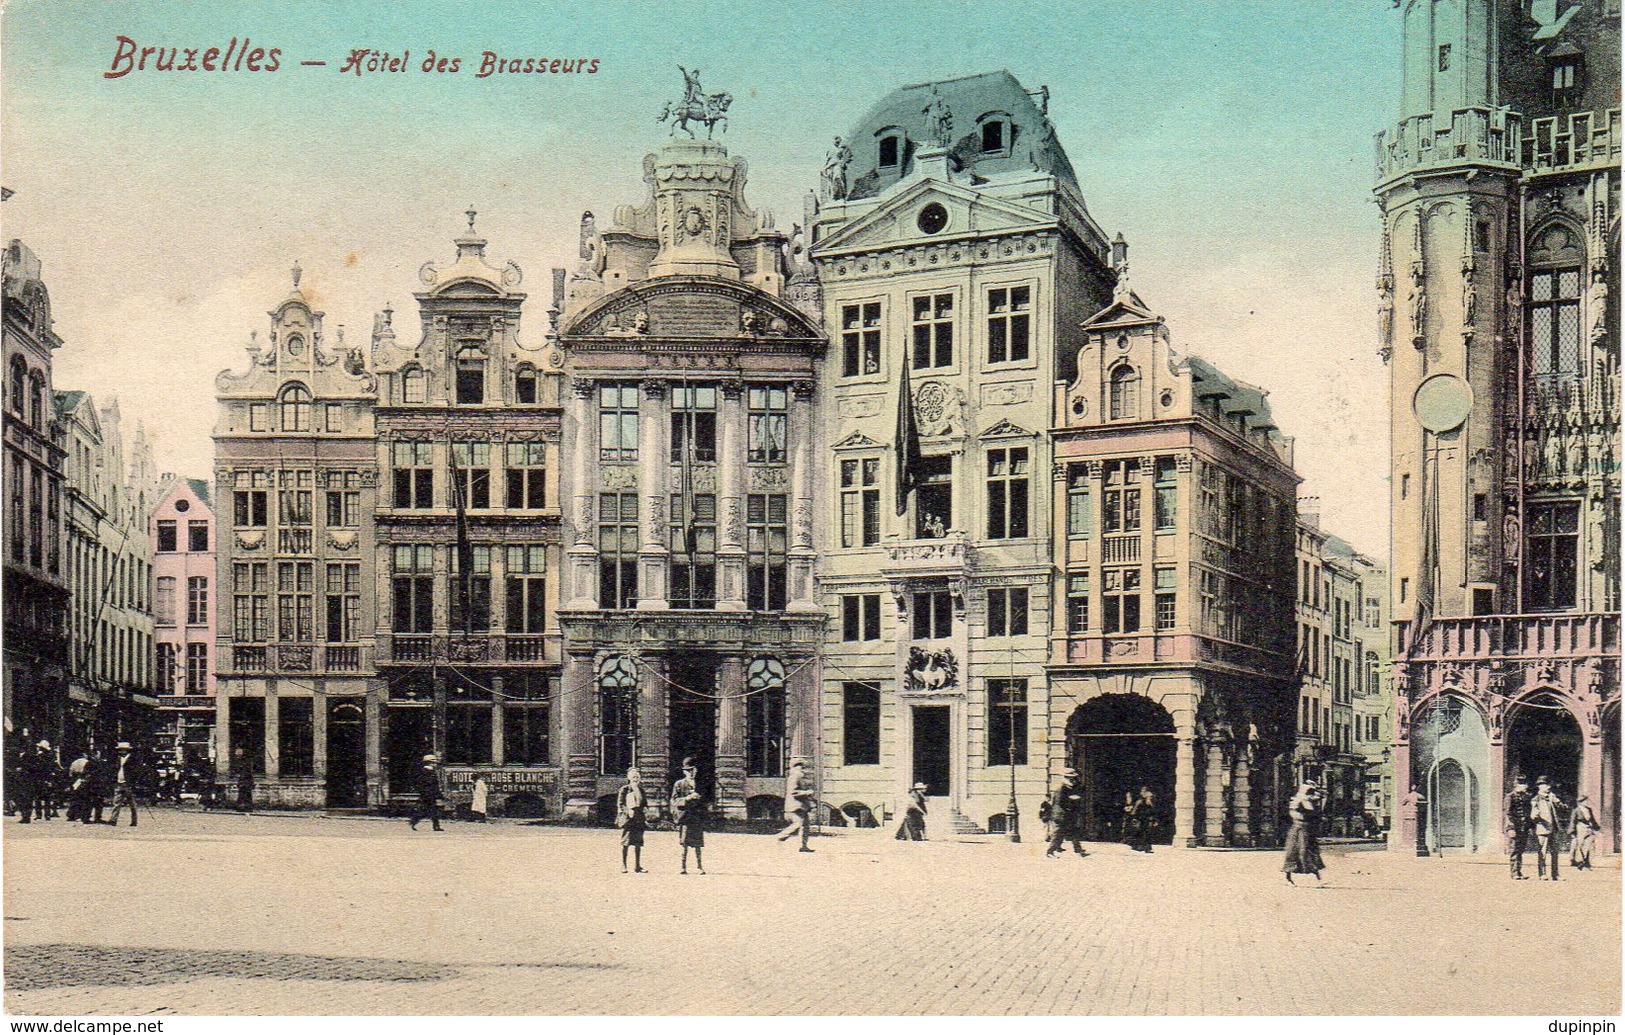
1119	743
1450	759
1454	791
1543	739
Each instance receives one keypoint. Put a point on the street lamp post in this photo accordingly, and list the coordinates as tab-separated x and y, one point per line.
1012	824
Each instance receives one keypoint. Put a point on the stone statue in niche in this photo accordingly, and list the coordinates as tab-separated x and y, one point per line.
1599	305
1419	304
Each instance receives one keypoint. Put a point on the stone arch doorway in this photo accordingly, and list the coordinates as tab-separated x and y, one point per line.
1450	757
1454	791
1119	743
1543	739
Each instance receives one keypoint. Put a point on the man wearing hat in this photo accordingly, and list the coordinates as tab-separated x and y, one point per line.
1543	818
798	799
428	793
39	776
1066	809
913	826
1515	811
242	771
688	810
124	781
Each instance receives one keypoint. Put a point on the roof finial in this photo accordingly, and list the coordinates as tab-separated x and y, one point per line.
470	213
297	272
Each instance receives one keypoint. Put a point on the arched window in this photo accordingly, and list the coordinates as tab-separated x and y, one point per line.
525	385
764	718
1125	393
996	132
16	390
470	377
618	715
414	386
295	407
36	401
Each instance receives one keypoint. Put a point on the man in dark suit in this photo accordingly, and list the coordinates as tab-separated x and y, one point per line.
1516	813
1067	814
428	786
125	778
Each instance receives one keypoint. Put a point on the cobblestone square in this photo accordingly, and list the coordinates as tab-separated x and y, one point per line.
227	914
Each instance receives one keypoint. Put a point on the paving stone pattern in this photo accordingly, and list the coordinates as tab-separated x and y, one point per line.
227	914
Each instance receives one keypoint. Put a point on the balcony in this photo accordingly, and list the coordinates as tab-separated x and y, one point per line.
1578	140
342	659
1465	135
1121	549
293	540
950	555
412	648
1513	636
526	648
248	659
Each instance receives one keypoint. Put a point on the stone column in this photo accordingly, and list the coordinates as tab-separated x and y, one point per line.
1242	831
801	708
1402	826
731	737
222	732
1184	790
373	706
498	712
318	730
1213	797
731	498
653	754
802	553
654	463
581	512
273	729
1591	779
578	692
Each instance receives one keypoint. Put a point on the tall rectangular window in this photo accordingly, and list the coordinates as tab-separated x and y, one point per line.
471	475
245	718
933	615
694	552
1077	603
344	602
932	324
251	621
618	728
618	422
296	534
525	732
860	502
1120	505
1552	545
1007	611
860	617
414	475
197	536
197	668
527	588
1122	600
168	669
471	595
527	475
470	379
860	339
1007	493
344	499
1009	313
296	601
1080	518
1006	722
768	428
1167	589
1167	494
168	540
764	732
412	585
164	601
296	736
860	723
1554	321
934	497
468	722
766	549
617	549
693	422
197	600
249	509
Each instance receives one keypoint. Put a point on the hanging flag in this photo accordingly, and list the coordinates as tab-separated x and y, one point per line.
1427	575
465	548
908	443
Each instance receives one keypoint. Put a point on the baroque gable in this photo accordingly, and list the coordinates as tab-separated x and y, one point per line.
901	221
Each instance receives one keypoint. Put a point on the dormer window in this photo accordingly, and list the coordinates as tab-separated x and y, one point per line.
525	386
995	136
1124	401
891	151
414	386
295	406
470	377
1566	81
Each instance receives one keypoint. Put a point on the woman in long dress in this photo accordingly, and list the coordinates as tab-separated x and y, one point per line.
630	816
1302	840
1583	827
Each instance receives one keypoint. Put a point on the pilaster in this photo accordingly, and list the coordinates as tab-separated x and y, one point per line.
730	771
731	502
654	452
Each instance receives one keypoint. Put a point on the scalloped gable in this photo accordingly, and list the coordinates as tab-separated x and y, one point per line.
971	214
690	307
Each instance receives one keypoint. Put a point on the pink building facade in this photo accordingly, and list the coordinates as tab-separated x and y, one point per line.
184	597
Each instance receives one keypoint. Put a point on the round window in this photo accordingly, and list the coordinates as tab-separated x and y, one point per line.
933	218
183	505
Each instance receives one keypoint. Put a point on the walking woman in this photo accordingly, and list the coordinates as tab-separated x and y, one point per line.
1302	841
1141	810
630	806
1583	828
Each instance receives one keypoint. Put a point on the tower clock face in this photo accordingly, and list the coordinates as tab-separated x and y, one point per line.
933	218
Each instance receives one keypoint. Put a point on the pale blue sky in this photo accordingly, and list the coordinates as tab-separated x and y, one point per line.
1230	142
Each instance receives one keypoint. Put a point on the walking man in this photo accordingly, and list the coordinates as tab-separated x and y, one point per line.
1066	812
913	826
428	793
44	781
124	778
798	799
1543	818
1516	811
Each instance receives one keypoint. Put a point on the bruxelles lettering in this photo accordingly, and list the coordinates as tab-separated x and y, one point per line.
365	60
129	56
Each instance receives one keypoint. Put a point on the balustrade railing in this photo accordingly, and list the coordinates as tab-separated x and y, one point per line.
1513	636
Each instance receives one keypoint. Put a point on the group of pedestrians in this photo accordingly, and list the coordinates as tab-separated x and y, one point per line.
1535	820
38	784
